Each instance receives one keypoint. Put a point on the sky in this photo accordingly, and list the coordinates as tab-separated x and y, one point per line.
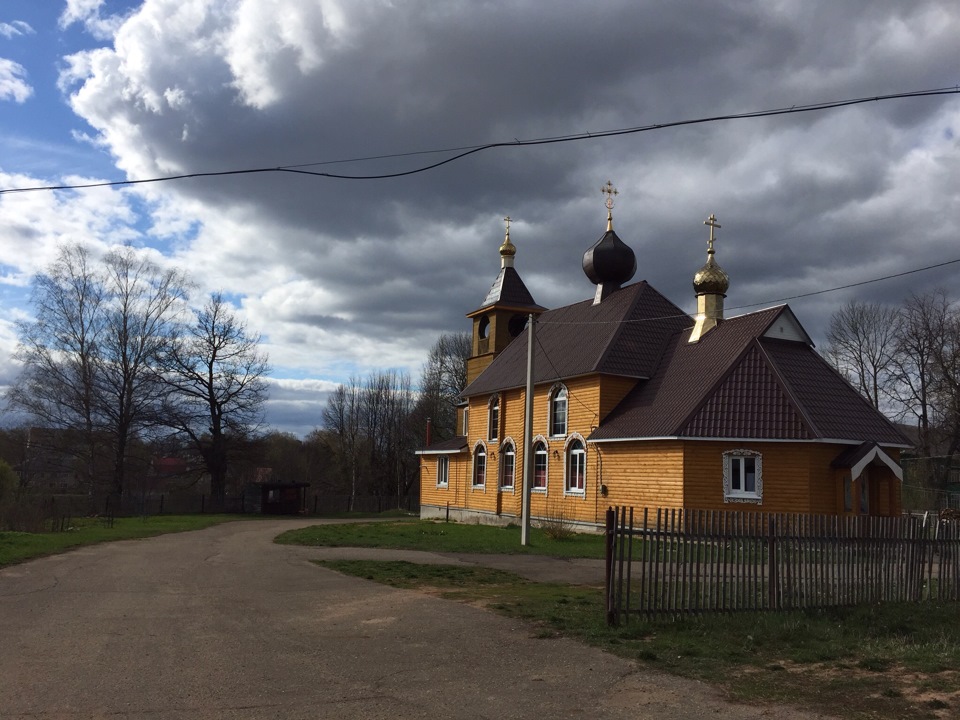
346	277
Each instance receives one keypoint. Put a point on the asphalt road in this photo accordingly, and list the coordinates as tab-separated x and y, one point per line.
222	623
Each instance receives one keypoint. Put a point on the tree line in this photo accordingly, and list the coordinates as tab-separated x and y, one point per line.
905	360
115	363
373	426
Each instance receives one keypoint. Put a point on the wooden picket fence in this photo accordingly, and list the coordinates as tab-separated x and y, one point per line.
671	561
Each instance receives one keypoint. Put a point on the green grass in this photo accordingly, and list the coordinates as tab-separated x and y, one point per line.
444	537
18	547
875	662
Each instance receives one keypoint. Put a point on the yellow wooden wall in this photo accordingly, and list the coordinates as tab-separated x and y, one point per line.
797	477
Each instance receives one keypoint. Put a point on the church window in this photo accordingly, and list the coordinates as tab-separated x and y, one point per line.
558	411
508	464
480	466
466	421
493	427
742	476
576	467
443	471
540	465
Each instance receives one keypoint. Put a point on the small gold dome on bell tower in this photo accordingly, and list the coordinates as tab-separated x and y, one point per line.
710	284
508	249
711	279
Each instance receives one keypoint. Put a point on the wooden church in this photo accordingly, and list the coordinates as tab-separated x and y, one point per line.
636	403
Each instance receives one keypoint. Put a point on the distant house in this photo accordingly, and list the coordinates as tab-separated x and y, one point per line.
636	403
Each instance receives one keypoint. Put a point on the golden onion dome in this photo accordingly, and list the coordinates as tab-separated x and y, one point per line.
711	279
508	249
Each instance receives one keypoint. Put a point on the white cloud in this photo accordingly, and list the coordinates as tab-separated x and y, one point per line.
13	83
17	27
87	13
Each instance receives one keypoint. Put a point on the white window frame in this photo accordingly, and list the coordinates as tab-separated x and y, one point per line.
540	439
568	458
493	418
466	421
479	450
733	458
508	448
443	471
555	391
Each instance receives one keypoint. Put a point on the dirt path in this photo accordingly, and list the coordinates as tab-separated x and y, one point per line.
222	623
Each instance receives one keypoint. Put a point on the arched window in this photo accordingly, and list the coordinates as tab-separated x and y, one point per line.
576	467
558	411
508	464
493	426
480	466
539	465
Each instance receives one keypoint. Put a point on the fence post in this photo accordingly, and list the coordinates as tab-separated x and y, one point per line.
772	565
611	523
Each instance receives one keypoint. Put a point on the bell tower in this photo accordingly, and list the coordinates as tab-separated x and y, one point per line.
502	315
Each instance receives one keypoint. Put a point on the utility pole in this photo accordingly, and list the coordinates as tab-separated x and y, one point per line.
528	436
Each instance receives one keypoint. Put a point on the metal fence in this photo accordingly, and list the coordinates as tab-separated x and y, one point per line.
688	561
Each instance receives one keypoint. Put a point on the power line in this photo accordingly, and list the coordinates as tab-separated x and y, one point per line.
765	302
464	151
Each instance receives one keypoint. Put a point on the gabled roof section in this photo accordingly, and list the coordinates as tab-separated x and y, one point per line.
508	290
832	405
857	458
739	381
624	335
685	379
749	403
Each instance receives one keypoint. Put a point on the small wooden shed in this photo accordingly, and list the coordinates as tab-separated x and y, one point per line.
283	498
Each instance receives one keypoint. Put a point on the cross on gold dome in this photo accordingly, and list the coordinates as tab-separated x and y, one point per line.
609	190
714	225
507	221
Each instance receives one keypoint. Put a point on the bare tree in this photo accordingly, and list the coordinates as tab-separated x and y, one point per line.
217	387
863	338
142	319
922	321
90	356
442	380
60	352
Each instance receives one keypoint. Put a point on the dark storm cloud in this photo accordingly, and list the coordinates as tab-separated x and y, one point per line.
806	201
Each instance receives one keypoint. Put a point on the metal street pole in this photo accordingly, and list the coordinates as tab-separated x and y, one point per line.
528	436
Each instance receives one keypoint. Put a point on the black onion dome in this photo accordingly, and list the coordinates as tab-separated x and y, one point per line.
610	260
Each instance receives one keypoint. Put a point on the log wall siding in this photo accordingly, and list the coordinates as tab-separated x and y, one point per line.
641	474
797	477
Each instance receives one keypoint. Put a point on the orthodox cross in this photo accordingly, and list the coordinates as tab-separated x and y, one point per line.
609	190
507	221
714	225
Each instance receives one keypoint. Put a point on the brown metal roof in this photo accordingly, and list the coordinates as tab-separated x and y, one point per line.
444	447
736	383
663	405
624	335
833	406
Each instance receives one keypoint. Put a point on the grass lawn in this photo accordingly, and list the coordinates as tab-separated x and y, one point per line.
875	662
17	547
445	537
